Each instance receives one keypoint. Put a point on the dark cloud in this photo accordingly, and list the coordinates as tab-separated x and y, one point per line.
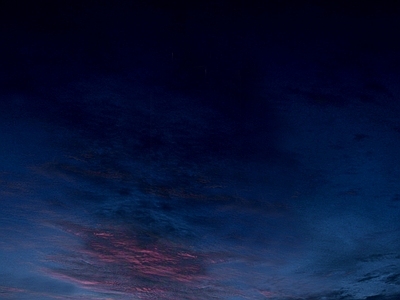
383	297
393	279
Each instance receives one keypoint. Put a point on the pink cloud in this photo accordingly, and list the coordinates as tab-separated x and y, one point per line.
111	260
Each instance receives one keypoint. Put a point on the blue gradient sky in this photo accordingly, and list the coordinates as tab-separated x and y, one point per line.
200	151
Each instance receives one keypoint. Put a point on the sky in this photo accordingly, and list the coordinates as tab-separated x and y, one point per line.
199	150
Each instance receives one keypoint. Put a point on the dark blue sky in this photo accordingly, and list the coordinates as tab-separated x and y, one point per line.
199	150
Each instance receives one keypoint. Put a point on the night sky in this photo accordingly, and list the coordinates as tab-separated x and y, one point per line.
200	150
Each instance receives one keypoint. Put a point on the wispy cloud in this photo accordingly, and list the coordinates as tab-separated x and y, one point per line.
116	260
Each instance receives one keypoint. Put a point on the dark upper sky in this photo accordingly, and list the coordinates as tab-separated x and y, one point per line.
199	150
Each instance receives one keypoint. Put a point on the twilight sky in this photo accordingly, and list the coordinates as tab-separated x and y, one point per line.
199	150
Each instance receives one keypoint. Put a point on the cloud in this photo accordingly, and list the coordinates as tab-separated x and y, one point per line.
119	261
34	286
